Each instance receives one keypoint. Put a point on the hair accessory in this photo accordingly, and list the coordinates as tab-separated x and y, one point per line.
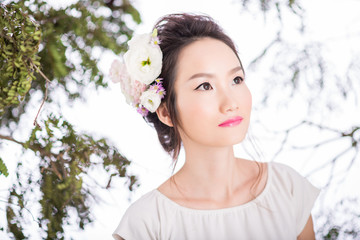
138	75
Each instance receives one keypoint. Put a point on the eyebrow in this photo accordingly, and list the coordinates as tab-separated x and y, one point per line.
209	75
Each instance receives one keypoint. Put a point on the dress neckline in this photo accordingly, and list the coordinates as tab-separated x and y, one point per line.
252	202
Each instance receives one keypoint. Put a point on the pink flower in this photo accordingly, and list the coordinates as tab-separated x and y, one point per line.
143	111
155	41
138	75
118	72
137	88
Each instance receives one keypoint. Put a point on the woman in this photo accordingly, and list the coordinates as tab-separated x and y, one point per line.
187	80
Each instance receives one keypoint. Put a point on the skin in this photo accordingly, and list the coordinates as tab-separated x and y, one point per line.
210	90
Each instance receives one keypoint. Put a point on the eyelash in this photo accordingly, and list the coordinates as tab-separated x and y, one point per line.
208	84
240	78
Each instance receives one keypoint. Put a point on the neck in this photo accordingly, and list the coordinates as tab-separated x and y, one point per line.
209	172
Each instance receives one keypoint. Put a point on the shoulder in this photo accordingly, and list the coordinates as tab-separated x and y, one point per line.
297	189
292	180
282	168
285	174
144	209
289	178
144	202
140	220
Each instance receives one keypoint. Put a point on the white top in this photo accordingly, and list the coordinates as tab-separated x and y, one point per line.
279	212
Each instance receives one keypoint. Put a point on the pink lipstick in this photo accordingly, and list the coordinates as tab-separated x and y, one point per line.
231	122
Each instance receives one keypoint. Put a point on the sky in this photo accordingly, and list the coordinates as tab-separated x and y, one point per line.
106	114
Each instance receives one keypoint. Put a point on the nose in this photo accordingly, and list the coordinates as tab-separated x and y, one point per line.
228	103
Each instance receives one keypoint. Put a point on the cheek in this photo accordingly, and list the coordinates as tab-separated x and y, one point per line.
250	101
197	120
246	101
193	109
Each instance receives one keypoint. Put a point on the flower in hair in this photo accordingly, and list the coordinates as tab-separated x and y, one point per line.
138	74
143	60
150	100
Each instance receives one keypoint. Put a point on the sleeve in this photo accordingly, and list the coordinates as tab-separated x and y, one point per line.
304	195
138	222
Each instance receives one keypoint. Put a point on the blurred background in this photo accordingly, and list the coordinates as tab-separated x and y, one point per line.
74	155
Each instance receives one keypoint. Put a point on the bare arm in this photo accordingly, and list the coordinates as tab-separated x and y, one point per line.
308	231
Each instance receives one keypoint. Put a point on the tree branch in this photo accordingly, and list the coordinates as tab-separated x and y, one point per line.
45	96
263	53
35	149
322	127
12	140
316	145
352	133
13	204
333	161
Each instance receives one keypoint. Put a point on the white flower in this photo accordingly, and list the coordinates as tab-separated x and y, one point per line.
142	66
118	72
150	100
143	60
139	40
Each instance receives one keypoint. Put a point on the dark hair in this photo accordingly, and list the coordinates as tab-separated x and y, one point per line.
176	31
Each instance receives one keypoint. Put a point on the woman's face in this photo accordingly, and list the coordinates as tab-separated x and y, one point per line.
213	101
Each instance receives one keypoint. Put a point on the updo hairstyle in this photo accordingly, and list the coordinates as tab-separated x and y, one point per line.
176	31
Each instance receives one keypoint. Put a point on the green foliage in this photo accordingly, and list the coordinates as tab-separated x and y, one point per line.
19	44
342	222
14	225
65	158
68	35
44	50
3	168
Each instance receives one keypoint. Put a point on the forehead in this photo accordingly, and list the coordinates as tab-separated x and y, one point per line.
206	55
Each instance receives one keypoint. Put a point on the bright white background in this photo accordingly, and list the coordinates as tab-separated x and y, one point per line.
106	114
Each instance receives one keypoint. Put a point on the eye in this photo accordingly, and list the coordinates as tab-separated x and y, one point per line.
204	87
238	80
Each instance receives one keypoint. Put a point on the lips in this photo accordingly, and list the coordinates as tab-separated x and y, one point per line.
231	122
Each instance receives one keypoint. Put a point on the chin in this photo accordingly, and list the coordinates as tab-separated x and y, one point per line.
235	140
225	141
234	137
